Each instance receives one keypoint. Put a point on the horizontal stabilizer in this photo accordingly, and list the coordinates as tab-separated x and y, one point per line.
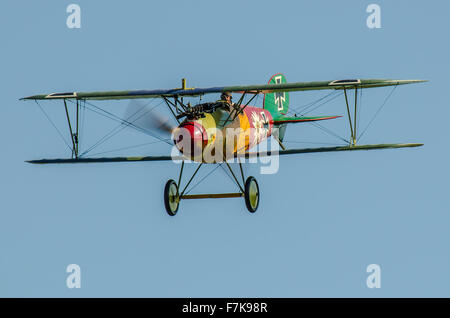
287	120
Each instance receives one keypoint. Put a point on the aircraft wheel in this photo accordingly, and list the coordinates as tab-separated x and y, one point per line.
251	194
171	198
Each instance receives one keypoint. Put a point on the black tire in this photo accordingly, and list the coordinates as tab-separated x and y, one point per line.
171	200
251	194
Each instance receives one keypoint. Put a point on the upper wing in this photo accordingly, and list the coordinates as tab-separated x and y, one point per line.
266	88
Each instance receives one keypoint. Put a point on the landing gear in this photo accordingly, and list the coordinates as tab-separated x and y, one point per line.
171	198
173	195
251	194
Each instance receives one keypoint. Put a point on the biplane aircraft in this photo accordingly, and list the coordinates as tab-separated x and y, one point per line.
201	134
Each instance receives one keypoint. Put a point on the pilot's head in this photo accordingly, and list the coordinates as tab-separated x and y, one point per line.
226	96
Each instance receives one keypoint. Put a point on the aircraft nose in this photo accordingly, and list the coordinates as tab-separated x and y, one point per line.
190	138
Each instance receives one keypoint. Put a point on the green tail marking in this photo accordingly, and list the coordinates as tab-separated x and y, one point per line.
277	103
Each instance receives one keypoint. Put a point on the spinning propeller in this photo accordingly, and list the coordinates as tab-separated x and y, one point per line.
146	117
190	136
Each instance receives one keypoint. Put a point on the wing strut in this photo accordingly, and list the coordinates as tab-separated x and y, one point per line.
352	129
73	134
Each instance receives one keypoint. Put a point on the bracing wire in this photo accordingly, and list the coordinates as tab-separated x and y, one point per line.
329	131
324	103
311	106
126	148
53	124
123	124
108	135
207	175
378	111
305	107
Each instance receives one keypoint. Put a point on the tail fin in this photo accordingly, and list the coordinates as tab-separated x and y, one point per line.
277	103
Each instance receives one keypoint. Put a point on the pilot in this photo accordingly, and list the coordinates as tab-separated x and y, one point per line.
226	98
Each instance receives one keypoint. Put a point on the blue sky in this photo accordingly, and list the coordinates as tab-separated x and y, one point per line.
322	219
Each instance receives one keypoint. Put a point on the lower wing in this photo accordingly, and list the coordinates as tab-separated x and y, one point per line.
245	155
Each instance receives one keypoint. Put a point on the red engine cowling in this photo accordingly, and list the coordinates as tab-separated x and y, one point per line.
190	138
